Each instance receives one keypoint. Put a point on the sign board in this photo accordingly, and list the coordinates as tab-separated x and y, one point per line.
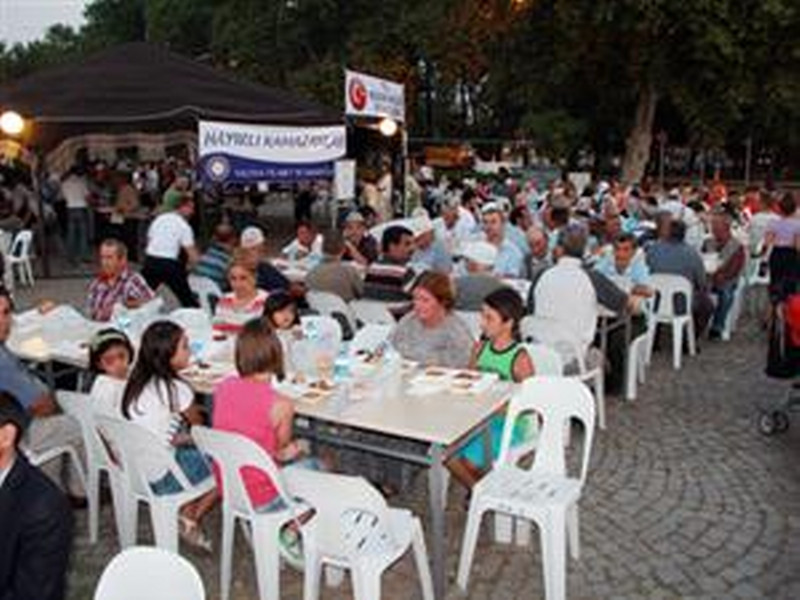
367	96
344	180
245	153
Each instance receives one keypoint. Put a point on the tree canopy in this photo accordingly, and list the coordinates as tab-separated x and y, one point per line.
570	75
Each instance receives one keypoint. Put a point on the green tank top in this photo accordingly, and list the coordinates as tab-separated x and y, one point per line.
502	363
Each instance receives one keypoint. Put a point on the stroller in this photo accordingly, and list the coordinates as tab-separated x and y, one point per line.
783	361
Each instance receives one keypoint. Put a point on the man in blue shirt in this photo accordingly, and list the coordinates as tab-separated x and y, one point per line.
626	266
49	428
510	261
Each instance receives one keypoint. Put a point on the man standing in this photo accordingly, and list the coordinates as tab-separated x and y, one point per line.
509	260
49	428
75	192
724	280
35	519
116	283
168	236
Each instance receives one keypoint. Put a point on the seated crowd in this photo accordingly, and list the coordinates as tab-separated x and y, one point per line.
576	254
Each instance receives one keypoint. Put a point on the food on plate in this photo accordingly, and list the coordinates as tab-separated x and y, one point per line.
467	376
322	385
435	372
313	396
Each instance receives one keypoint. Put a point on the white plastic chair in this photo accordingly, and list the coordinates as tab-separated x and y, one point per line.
195	322
133	321
232	452
369	337
5	248
735	311
472	319
37	459
353	528
80	407
206	290
152	573
328	331
372	312
545	494
141	454
19	257
561	339
637	365
667	288
329	304
546	360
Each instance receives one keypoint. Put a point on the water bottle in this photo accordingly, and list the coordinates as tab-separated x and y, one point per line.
341	366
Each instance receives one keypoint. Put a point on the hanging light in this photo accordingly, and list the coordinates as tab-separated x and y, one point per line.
11	123
388	126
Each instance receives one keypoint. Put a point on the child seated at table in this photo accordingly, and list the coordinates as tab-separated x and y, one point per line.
158	399
248	404
110	357
499	351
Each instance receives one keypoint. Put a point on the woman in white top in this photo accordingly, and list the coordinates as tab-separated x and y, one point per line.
169	233
159	400
244	302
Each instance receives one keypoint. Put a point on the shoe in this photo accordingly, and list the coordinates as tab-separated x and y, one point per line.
290	545
191	533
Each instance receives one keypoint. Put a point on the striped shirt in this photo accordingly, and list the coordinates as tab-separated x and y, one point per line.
388	281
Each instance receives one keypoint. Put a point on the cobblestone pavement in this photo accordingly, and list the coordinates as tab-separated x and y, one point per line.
684	499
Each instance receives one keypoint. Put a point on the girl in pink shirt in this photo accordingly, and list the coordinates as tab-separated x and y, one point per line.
247	404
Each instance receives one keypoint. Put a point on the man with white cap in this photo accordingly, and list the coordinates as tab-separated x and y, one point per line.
478	282
254	251
359	245
430	253
509	261
456	224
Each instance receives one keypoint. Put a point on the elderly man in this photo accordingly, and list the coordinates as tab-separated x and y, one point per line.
35	519
732	257
538	251
389	278
116	283
359	245
456	224
49	429
254	251
478	282
509	262
430	253
332	275
674	256
216	259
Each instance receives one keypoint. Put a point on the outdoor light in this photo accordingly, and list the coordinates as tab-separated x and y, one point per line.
11	123
388	126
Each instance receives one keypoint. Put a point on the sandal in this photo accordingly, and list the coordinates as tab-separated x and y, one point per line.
290	545
190	532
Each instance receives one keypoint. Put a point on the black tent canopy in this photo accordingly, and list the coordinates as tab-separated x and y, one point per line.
141	87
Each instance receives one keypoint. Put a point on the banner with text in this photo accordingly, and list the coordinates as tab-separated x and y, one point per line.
245	153
368	96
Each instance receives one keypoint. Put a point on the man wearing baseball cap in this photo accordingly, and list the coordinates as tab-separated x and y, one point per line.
35	518
479	281
359	245
268	278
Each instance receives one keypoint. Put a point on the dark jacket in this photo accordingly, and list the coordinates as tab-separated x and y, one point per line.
35	535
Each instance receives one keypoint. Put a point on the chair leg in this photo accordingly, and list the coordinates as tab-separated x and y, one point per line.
600	398
468	544
573	532
691	341
118	499
677	345
165	526
129	508
366	584
93	500
226	559
311	575
421	558
554	551
268	563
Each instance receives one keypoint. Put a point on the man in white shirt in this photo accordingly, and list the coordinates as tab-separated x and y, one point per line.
307	245
75	192
509	262
455	226
168	235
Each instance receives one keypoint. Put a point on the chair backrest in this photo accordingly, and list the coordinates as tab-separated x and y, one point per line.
232	452
372	312
134	321
21	246
144	458
79	407
555	335
327	331
152	573
330	304
667	289
195	322
557	400
369	337
352	518
546	360
579	311
207	290
472	319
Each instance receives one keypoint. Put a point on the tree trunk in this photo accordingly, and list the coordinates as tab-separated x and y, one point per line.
637	146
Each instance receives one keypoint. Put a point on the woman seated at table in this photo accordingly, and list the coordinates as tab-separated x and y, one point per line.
244	302
431	333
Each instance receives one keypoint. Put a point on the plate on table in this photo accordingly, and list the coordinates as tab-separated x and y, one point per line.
297	387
